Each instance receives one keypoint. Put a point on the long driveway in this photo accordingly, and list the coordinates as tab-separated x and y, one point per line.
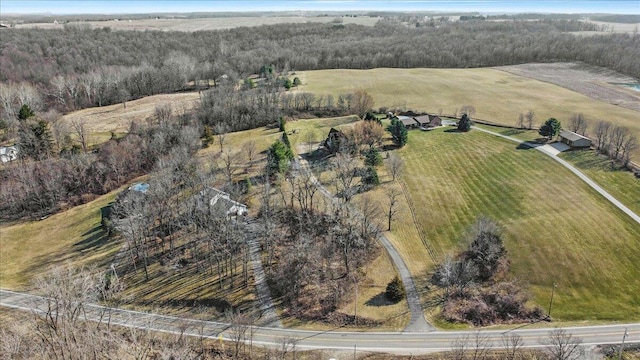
417	323
391	342
571	168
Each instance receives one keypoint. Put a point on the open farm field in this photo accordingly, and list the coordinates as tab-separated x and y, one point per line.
628	28
496	95
556	228
592	81
101	121
201	24
28	249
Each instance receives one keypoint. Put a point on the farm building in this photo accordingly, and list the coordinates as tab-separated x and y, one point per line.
334	141
574	140
220	199
408	122
8	153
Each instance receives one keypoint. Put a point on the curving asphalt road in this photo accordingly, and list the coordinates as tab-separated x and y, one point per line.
390	342
571	168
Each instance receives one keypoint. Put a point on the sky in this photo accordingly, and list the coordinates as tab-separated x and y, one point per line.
149	6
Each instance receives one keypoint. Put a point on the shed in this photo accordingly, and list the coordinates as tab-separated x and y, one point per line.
574	140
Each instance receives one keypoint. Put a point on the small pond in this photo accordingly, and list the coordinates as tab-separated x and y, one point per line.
635	87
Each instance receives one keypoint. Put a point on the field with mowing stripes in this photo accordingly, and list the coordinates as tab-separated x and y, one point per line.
556	228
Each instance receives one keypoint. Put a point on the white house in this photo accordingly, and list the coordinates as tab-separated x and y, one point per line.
8	153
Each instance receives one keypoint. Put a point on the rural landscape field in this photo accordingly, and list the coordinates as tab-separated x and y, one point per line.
237	183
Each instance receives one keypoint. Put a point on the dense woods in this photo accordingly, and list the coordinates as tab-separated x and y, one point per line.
79	67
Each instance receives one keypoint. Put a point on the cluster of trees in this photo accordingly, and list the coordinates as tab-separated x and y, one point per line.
36	188
618	142
69	70
472	292
318	256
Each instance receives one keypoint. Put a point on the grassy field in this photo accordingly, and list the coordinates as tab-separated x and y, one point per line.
556	228
496	95
101	121
28	249
202	24
622	184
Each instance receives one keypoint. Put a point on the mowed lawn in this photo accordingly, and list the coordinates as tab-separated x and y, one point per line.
496	95
30	248
556	228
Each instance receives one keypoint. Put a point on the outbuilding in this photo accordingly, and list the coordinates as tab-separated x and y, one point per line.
574	140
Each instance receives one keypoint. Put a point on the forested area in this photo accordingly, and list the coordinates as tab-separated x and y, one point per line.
79	67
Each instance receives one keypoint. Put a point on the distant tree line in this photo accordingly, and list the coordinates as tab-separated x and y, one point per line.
77	67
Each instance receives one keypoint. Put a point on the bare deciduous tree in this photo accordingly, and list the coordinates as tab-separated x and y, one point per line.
481	346
310	137
393	197
512	344
362	102
460	347
395	165
346	177
520	121
602	134
79	126
468	109
221	130
250	151
563	346
530	117
578	123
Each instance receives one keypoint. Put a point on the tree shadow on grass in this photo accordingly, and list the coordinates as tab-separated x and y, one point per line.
379	300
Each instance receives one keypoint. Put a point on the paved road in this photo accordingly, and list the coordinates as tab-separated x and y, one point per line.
571	168
417	323
391	342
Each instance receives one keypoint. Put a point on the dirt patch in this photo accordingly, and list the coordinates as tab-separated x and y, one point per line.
592	81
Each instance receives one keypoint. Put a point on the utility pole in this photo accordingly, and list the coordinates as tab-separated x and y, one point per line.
355	305
622	345
553	289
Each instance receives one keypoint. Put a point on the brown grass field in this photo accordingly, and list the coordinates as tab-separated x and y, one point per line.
30	248
496	95
201	24
101	121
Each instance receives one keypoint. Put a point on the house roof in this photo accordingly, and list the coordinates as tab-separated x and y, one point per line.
423	119
407	120
220	198
433	117
570	135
